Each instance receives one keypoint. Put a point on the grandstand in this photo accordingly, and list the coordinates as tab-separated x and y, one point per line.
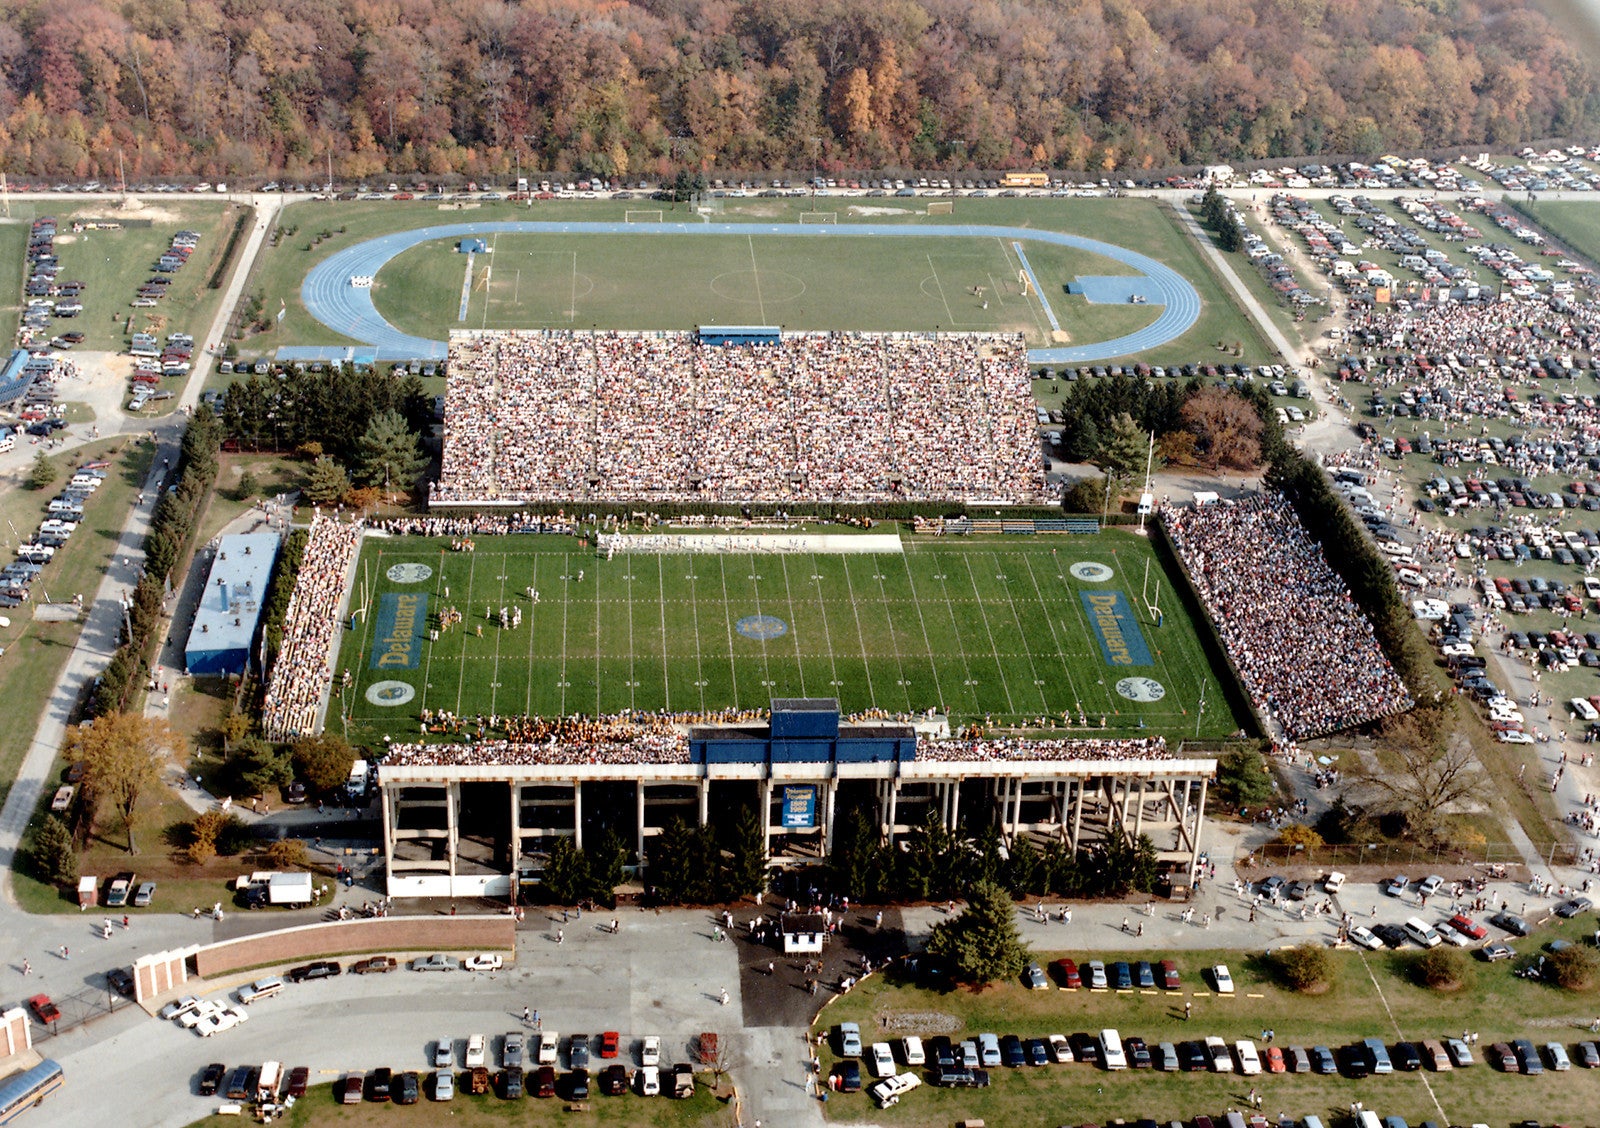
727	416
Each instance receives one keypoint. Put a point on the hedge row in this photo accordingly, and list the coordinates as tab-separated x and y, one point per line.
279	590
220	274
171	529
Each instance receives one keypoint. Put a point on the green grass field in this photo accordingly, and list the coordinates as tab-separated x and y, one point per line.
1576	222
994	627
619	281
633	286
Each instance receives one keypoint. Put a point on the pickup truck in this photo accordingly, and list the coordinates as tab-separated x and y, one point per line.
682	1080
121	889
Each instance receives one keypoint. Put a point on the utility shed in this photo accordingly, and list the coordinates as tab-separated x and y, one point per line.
230	605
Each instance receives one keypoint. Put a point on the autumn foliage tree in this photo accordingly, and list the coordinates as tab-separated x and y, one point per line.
1226	429
123	755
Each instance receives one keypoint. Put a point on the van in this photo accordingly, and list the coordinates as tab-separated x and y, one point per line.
270	1081
260	989
1367	1119
1583	710
1377	1055
1422	932
8	439
356	786
1111	1052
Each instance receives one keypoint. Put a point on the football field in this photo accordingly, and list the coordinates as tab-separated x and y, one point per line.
997	628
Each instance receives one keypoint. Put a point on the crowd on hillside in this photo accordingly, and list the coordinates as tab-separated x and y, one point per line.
1306	654
548	415
303	670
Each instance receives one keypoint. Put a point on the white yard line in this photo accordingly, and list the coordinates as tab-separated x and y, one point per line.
756	271
666	666
533	582
461	677
994	648
794	635
861	638
916	601
1022	636
733	666
1432	1096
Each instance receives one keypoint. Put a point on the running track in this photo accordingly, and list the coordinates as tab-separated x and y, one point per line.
329	297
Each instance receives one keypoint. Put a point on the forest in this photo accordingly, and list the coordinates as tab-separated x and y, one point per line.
240	89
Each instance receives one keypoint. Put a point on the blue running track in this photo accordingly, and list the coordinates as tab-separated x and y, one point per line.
329	297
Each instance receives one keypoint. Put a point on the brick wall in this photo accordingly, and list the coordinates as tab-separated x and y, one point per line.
389	935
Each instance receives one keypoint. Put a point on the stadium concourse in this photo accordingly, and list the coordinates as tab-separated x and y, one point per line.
575	415
466	818
348	310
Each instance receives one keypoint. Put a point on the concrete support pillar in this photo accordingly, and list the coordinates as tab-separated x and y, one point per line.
452	814
516	837
386	800
639	817
705	801
830	795
1194	841
577	813
955	804
894	799
766	816
1138	813
1077	814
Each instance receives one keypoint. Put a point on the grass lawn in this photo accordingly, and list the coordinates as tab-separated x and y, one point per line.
989	627
1369	997
319	1108
1576	222
634	297
113	263
274	474
13	252
36	652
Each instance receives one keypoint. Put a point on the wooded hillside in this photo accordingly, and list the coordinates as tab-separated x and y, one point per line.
239	88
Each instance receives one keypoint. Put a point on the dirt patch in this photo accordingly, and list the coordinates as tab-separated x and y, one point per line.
135	206
869	209
922	1022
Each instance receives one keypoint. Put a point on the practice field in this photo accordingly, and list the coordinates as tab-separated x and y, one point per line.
998	628
563	281
1575	221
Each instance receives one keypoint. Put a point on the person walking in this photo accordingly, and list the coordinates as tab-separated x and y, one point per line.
1188	1011
527	1016
560	935
27	968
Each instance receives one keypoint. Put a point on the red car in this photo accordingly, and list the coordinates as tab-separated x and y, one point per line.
1170	979
608	1044
1468	927
1066	973
44	1010
1273	1060
299	1078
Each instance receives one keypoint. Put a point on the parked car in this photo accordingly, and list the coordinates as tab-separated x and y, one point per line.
321	969
1223	979
299	1081
44	1010
614	1080
1034	977
1510	922
477	1049
211	1077
435	962
373	964
488	961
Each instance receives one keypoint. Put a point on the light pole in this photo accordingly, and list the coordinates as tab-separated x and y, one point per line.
816	146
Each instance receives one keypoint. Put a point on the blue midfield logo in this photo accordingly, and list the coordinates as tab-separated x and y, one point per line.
762	628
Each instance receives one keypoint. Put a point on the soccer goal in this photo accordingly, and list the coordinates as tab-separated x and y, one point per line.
819	217
941	207
642	215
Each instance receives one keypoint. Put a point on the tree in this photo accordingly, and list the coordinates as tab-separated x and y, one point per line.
745	856
123	754
327	483
322	762
1571	968
1243	778
249	485
1434	767
287	854
1305	968
566	873
42	474
1443	968
1226	428
1299	834
260	765
55	859
1086	495
1123	450
235	727
982	942
389	455
607	866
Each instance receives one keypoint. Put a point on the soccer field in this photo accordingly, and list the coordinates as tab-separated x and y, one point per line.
644	281
997	628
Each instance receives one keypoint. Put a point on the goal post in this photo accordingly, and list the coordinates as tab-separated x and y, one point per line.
819	217
941	207
642	215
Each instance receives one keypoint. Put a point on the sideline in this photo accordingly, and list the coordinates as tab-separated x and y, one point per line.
1432	1096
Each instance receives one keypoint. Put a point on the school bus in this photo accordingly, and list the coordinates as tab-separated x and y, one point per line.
1025	180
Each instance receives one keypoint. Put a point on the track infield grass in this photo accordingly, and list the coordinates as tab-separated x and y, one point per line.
992	627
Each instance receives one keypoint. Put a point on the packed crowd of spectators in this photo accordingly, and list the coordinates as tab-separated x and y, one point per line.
996	748
558	415
475	525
303	670
1306	654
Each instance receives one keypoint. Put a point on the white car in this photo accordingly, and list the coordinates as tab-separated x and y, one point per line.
1061	1049
649	1081
1364	936
444	1085
650	1051
1430	610
488	961
477	1047
882	1060
191	1018
179	1007
911	1050
888	1091
1249	1057
226	1018
1223	979
1514	738
549	1047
